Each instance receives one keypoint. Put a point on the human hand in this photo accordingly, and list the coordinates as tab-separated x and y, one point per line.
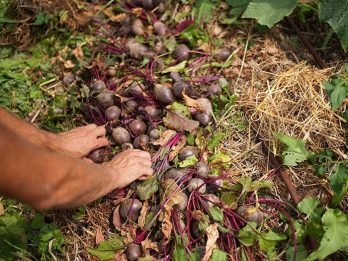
129	166
79	142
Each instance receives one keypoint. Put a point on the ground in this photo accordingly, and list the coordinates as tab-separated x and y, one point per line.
271	84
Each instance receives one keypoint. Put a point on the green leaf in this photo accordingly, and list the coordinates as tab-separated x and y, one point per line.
312	208
229	198
220	157
38	221
189	161
335	13
308	206
108	248
215	140
295	151
216	213
147	188
268	241
251	186
180	67
301	253
269	12
203	10
42	18
335	237
337	90
339	184
180	254
180	109
218	255
247	235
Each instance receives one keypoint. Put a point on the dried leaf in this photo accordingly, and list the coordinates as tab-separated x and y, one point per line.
142	216
148	244
2	210
165	137
138	11
116	219
212	236
179	122
99	237
120	257
201	104
69	64
177	148
78	52
167	225
197	214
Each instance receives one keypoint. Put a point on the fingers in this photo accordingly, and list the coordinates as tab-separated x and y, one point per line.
101	142
98	131
146	171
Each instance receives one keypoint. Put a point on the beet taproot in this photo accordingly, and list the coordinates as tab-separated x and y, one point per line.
198	184
137	127
106	98
113	113
182	52
97	156
187	152
163	94
130	209
141	141
133	252
121	135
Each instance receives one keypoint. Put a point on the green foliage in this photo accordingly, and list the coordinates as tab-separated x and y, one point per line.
203	10
268	242
247	235
301	253
311	207
295	151
108	248
42	18
189	161
335	13
337	90
216	213
215	140
321	161
335	237
147	188
339	184
218	255
248	185
269	12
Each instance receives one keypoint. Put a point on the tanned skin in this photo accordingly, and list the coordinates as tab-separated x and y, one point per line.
48	170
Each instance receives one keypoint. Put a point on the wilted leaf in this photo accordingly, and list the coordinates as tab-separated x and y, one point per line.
335	237
142	216
177	148
189	161
68	64
164	138
99	237
147	188
107	249
212	236
2	210
201	104
220	157
180	67
179	122
179	109
116	219
167	225
148	244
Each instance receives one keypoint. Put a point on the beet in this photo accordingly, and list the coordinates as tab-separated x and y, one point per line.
196	183
112	72
148	4
97	86
163	94
137	127
121	135
187	152
194	229
214	89
133	252
154	134
113	113
159	28
136	50
137	27
250	214
135	89
216	184
178	88
153	111
202	170
211	200
175	76
222	53
182	52
130	209
176	174
68	79
183	199
202	118
97	156
141	141
106	98
131	105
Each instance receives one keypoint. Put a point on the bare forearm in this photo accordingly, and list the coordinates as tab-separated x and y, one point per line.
25	129
46	179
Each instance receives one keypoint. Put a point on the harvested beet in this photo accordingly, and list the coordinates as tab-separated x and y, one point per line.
148	4
121	135
176	174
163	94
153	111
154	134
211	200
222	53
194	229
130	209
131	105
202	118
183	199
137	127
112	72
182	52
133	252
187	152
135	89
106	98
178	88
214	89
113	113
159	28
68	79
175	76
136	50
97	86
251	214
97	155
141	141
216	184
198	184
202	170
137	27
